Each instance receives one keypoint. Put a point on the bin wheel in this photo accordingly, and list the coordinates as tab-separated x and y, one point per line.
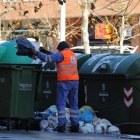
27	124
8	124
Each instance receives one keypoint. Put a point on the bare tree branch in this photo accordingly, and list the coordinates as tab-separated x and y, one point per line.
79	3
105	6
10	8
135	26
6	11
127	38
74	23
94	1
72	31
116	10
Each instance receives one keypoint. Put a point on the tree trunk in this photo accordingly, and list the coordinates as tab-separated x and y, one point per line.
85	34
0	29
122	36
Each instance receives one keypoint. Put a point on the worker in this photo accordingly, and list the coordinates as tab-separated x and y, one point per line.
67	83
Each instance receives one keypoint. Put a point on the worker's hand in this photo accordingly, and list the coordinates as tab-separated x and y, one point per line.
33	51
42	49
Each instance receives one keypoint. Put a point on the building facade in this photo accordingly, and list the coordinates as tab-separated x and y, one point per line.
40	19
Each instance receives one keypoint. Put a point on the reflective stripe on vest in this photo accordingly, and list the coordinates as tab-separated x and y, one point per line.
60	72
67	69
67	66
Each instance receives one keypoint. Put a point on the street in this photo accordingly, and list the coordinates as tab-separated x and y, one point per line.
41	135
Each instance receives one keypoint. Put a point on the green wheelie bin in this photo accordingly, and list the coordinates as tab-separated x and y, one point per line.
20	87
112	88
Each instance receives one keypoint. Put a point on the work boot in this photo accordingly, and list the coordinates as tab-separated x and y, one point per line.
60	128
75	128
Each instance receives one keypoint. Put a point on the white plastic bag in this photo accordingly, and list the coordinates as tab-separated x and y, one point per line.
106	121
86	128
52	121
113	130
43	125
67	113
52	109
81	124
100	128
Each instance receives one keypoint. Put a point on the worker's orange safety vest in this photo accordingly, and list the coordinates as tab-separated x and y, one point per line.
67	69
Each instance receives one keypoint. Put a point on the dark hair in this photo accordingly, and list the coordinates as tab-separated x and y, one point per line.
62	45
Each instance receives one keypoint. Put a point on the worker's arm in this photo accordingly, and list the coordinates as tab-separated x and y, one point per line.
52	57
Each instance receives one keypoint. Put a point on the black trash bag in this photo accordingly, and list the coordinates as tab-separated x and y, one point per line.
24	47
22	124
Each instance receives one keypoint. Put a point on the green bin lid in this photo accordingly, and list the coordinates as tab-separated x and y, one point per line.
2	51
122	64
81	58
90	63
8	54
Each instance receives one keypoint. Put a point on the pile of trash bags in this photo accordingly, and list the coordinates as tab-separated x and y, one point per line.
89	122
